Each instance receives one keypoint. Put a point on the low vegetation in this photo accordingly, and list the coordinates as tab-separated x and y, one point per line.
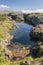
6	25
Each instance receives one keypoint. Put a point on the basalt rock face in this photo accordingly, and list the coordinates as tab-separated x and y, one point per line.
18	17
37	33
33	20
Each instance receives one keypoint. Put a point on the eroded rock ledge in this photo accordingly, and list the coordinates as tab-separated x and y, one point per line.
37	36
14	51
37	33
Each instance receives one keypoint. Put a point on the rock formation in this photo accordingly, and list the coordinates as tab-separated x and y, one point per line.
37	33
32	20
37	36
13	51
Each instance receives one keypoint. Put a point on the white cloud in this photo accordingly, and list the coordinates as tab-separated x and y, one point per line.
4	6
33	11
39	11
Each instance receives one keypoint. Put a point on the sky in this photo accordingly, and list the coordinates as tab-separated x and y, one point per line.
29	5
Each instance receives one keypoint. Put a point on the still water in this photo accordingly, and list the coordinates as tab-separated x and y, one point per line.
21	34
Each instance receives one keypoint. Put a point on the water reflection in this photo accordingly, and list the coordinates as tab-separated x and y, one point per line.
21	34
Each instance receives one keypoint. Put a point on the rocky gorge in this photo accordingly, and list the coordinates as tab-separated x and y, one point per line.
26	37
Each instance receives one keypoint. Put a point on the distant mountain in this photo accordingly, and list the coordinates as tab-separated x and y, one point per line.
33	11
22	11
5	12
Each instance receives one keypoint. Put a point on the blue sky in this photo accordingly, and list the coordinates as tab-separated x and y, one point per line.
21	4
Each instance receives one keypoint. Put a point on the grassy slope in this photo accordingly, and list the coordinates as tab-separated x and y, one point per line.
5	25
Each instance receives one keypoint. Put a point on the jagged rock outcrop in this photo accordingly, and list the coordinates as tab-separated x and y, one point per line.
32	20
18	17
37	33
